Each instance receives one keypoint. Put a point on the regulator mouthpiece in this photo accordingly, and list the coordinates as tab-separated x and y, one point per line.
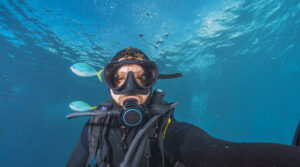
132	113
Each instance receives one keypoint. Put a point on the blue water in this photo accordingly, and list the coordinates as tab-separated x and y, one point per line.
240	60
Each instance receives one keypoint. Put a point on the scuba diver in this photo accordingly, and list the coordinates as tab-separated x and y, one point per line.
137	128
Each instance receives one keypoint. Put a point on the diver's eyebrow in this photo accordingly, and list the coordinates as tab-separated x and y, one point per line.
133	70
139	71
122	72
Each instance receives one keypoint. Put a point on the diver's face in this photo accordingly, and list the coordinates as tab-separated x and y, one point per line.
121	77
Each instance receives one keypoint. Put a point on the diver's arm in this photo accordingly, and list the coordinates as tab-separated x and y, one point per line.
192	146
80	153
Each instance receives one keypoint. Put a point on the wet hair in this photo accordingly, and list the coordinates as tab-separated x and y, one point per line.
130	53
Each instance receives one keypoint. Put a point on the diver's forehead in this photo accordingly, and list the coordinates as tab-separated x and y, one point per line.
131	67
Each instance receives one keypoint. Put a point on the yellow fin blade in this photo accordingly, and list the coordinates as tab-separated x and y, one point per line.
99	74
94	107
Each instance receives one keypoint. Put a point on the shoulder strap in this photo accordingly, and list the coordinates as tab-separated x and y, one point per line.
161	107
165	123
103	155
95	130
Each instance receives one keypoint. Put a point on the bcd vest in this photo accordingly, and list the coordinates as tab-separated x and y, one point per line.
147	142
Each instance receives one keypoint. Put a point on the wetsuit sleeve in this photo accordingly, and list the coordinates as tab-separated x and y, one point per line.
192	146
80	153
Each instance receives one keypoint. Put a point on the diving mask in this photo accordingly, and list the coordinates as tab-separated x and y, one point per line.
133	83
129	82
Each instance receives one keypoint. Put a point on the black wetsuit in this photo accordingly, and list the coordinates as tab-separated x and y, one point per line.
193	147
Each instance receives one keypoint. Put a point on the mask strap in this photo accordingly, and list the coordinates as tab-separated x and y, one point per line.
169	76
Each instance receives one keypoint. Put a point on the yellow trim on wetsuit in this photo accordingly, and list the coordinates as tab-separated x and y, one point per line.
169	121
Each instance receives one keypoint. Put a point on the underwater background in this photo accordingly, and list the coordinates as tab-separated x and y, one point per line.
240	60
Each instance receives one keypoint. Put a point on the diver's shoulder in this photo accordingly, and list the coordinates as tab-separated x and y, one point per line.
182	128
177	128
180	125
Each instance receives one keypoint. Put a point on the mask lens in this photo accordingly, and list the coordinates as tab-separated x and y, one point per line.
116	73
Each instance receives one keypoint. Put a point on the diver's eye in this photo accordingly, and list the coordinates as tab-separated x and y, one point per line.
115	76
118	77
142	78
